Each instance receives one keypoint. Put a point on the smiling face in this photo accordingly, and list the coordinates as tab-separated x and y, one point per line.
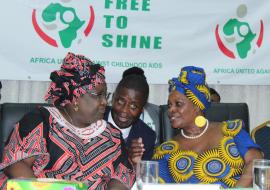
127	106
181	110
92	105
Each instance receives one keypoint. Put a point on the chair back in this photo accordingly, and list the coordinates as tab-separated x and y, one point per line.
11	113
217	112
260	135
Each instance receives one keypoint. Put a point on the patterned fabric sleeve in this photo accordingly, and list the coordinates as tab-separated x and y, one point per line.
123	169
244	142
235	129
27	140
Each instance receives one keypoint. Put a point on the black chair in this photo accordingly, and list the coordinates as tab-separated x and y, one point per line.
260	135
217	112
11	113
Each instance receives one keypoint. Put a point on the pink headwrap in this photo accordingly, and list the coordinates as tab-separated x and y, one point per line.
77	75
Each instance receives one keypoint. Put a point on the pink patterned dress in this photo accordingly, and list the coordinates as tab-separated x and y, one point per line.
60	153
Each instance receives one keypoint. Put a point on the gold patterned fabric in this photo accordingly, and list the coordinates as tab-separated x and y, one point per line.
181	165
221	165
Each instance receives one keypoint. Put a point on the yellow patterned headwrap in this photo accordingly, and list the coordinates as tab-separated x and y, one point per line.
191	82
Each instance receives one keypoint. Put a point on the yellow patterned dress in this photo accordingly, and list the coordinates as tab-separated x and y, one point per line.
222	165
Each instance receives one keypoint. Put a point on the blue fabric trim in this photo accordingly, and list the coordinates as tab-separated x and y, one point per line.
244	142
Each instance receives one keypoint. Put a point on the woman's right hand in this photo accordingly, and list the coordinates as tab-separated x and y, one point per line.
21	169
136	150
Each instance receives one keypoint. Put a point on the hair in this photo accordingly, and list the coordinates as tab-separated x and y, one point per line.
213	91
0	89
134	78
133	71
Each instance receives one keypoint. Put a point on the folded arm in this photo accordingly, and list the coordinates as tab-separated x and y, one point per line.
246	178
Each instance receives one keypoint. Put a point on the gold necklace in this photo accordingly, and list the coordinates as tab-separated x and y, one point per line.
71	120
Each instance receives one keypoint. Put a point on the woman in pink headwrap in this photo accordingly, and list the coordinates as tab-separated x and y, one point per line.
70	140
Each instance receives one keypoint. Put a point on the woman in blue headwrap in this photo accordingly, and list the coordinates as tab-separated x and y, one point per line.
203	152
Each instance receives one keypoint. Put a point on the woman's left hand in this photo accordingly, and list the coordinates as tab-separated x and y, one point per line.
116	185
246	177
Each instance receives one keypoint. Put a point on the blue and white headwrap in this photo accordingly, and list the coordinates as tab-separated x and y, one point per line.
191	82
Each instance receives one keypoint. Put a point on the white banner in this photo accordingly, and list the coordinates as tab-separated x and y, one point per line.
230	39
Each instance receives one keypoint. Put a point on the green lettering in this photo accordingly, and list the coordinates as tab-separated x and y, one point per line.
121	41
133	41
108	19
145	42
157	42
145	5
107	42
121	4
134	5
108	3
52	61
121	22
59	61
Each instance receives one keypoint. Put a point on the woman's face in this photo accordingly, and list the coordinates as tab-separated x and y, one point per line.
181	110
92	105
127	106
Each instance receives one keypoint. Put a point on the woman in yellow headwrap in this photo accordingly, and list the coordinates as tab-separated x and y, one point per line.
203	151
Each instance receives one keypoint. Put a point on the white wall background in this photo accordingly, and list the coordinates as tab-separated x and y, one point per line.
257	97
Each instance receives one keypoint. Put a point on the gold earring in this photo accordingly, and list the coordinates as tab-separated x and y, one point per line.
200	121
76	107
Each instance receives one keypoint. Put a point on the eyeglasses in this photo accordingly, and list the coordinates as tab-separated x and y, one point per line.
100	95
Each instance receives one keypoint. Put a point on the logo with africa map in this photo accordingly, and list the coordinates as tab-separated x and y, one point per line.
237	38
62	24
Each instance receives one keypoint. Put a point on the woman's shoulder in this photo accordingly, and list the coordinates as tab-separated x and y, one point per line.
34	116
32	120
232	127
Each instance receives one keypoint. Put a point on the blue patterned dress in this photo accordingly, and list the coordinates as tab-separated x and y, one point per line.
221	165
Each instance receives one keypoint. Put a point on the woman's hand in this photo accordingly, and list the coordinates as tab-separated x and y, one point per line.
246	177
21	169
136	150
116	185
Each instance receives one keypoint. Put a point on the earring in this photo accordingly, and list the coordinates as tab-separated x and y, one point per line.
76	107
200	121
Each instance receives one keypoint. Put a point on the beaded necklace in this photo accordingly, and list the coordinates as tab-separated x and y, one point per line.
196	136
